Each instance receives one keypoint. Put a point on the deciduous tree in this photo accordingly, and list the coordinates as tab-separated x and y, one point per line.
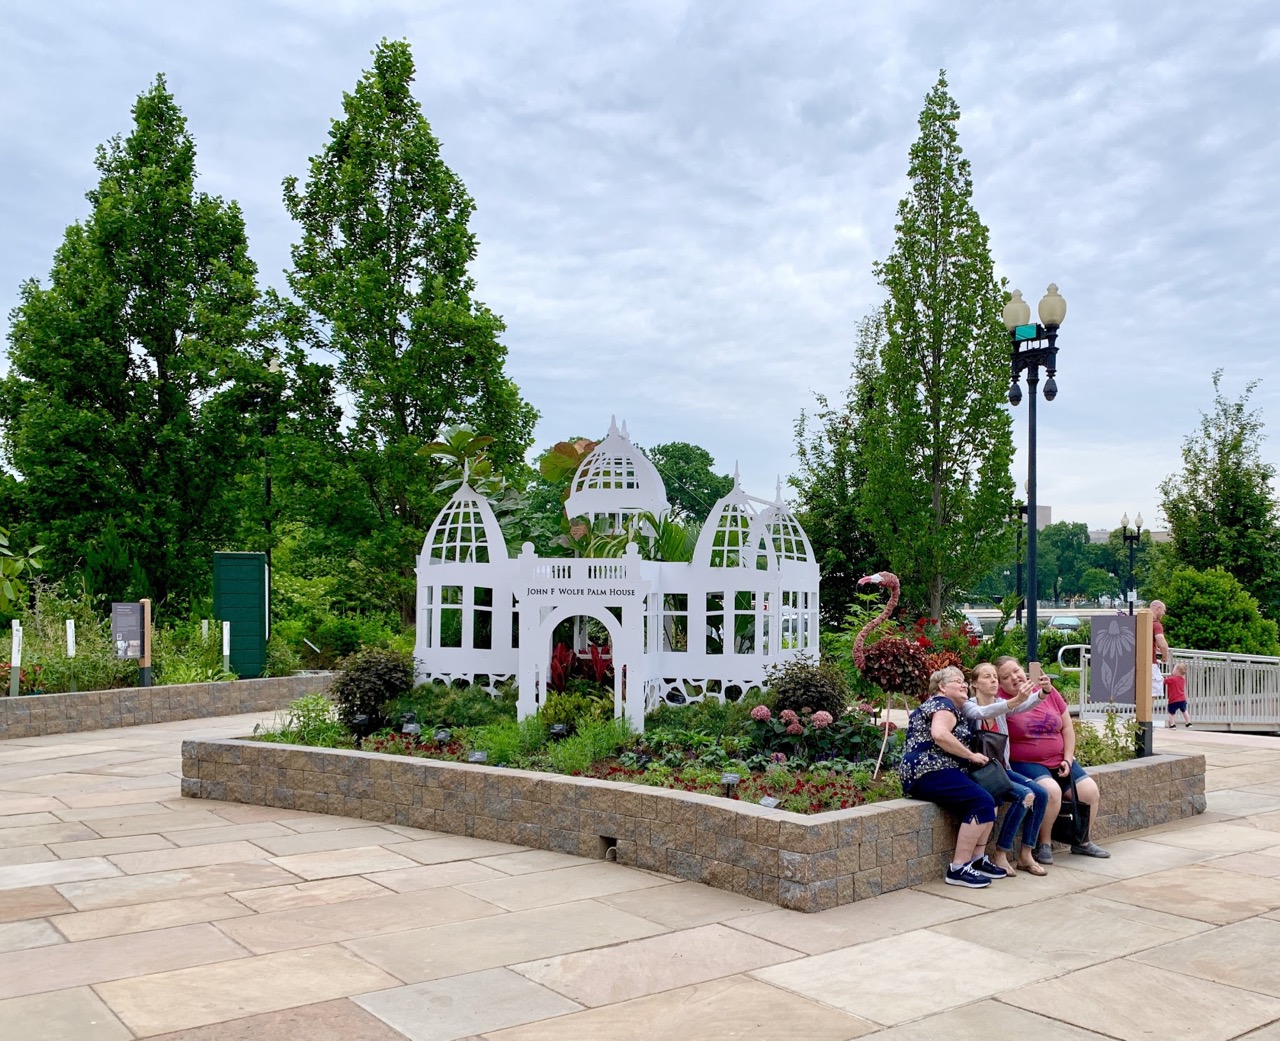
123	398
383	305
938	485
1221	507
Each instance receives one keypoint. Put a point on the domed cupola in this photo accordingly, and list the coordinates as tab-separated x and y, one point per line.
616	481
782	532
466	531
729	538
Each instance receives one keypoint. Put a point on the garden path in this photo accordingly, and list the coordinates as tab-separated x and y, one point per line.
129	912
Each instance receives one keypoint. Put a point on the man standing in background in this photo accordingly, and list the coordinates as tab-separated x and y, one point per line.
1159	648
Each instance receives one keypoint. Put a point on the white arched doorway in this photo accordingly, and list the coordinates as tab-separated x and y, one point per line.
542	644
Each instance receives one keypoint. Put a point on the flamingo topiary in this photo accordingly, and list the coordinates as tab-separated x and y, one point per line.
894	664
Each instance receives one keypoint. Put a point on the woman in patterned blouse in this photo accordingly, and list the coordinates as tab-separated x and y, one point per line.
935	766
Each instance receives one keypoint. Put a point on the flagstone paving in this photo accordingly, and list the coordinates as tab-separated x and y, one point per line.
129	912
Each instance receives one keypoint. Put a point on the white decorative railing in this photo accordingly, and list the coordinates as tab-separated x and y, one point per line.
1232	691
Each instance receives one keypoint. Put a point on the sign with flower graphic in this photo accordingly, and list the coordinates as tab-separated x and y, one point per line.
1113	663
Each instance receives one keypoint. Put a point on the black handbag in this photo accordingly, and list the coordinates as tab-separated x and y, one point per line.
992	779
990	743
1071	826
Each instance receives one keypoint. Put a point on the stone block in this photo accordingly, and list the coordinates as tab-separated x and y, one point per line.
795	867
825	866
866	884
718	874
798	896
683	865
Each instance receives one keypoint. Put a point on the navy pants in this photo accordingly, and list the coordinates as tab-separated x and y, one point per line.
955	791
1019	817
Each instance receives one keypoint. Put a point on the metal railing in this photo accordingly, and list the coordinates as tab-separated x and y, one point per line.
1225	691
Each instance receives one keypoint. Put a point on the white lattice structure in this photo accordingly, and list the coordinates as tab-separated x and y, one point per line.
678	631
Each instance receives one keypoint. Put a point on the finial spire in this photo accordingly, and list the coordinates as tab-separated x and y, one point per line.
624	430
613	424
777	491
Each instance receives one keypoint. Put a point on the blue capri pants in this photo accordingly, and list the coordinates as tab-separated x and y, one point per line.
956	792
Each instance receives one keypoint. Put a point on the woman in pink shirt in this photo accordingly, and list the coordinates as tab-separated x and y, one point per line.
1042	744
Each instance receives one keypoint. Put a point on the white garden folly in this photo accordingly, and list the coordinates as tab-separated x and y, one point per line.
678	631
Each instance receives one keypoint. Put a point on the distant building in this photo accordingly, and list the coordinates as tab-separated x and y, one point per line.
1103	534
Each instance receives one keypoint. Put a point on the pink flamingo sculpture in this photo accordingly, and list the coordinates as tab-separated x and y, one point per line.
894	664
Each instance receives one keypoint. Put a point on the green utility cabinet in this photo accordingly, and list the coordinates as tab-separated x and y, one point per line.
242	596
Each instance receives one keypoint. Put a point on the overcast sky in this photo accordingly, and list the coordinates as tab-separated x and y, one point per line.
679	204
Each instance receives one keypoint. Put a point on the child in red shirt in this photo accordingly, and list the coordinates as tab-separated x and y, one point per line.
1175	689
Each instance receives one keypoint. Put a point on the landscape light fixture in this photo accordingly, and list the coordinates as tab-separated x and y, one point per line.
730	782
361	725
558	731
1132	542
1033	346
443	736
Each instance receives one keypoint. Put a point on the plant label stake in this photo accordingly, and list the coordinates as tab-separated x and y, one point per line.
226	646
71	650
204	630
15	659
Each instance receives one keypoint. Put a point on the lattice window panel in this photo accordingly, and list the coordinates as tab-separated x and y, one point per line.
460	535
786	536
729	545
610	472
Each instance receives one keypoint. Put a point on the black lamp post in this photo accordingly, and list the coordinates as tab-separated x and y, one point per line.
1033	346
1022	523
1132	542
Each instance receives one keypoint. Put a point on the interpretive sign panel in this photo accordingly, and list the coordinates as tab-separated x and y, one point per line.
126	630
1112	665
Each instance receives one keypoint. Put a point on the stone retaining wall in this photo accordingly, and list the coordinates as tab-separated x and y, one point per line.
804	862
36	715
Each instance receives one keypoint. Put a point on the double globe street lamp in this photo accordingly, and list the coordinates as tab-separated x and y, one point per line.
1132	542
1033	346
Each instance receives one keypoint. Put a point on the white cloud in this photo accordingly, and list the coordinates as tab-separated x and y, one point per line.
679	203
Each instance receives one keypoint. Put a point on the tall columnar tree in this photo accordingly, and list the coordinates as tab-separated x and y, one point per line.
381	291
1221	508
938	453
122	399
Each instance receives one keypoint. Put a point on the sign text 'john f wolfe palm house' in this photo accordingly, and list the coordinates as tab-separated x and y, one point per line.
678	630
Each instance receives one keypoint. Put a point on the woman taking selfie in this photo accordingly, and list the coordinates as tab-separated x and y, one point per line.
1042	744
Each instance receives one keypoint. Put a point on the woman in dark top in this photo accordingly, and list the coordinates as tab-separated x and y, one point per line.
935	767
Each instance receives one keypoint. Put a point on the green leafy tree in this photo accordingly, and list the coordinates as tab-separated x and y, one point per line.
1211	611
380	285
123	398
938	486
1064	557
1221	507
693	486
832	473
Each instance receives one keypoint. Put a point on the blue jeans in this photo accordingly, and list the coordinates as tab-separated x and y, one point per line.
1019	815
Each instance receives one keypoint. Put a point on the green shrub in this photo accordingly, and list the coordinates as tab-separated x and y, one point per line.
571	709
595	740
310	720
1114	744
1211	611
439	705
803	683
368	681
509	742
282	658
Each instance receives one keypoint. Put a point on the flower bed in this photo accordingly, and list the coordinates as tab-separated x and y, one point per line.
806	863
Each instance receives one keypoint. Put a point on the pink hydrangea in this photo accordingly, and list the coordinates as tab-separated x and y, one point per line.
789	716
778	757
761	714
795	728
822	719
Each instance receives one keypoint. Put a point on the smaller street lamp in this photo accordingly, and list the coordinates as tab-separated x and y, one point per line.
1132	542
